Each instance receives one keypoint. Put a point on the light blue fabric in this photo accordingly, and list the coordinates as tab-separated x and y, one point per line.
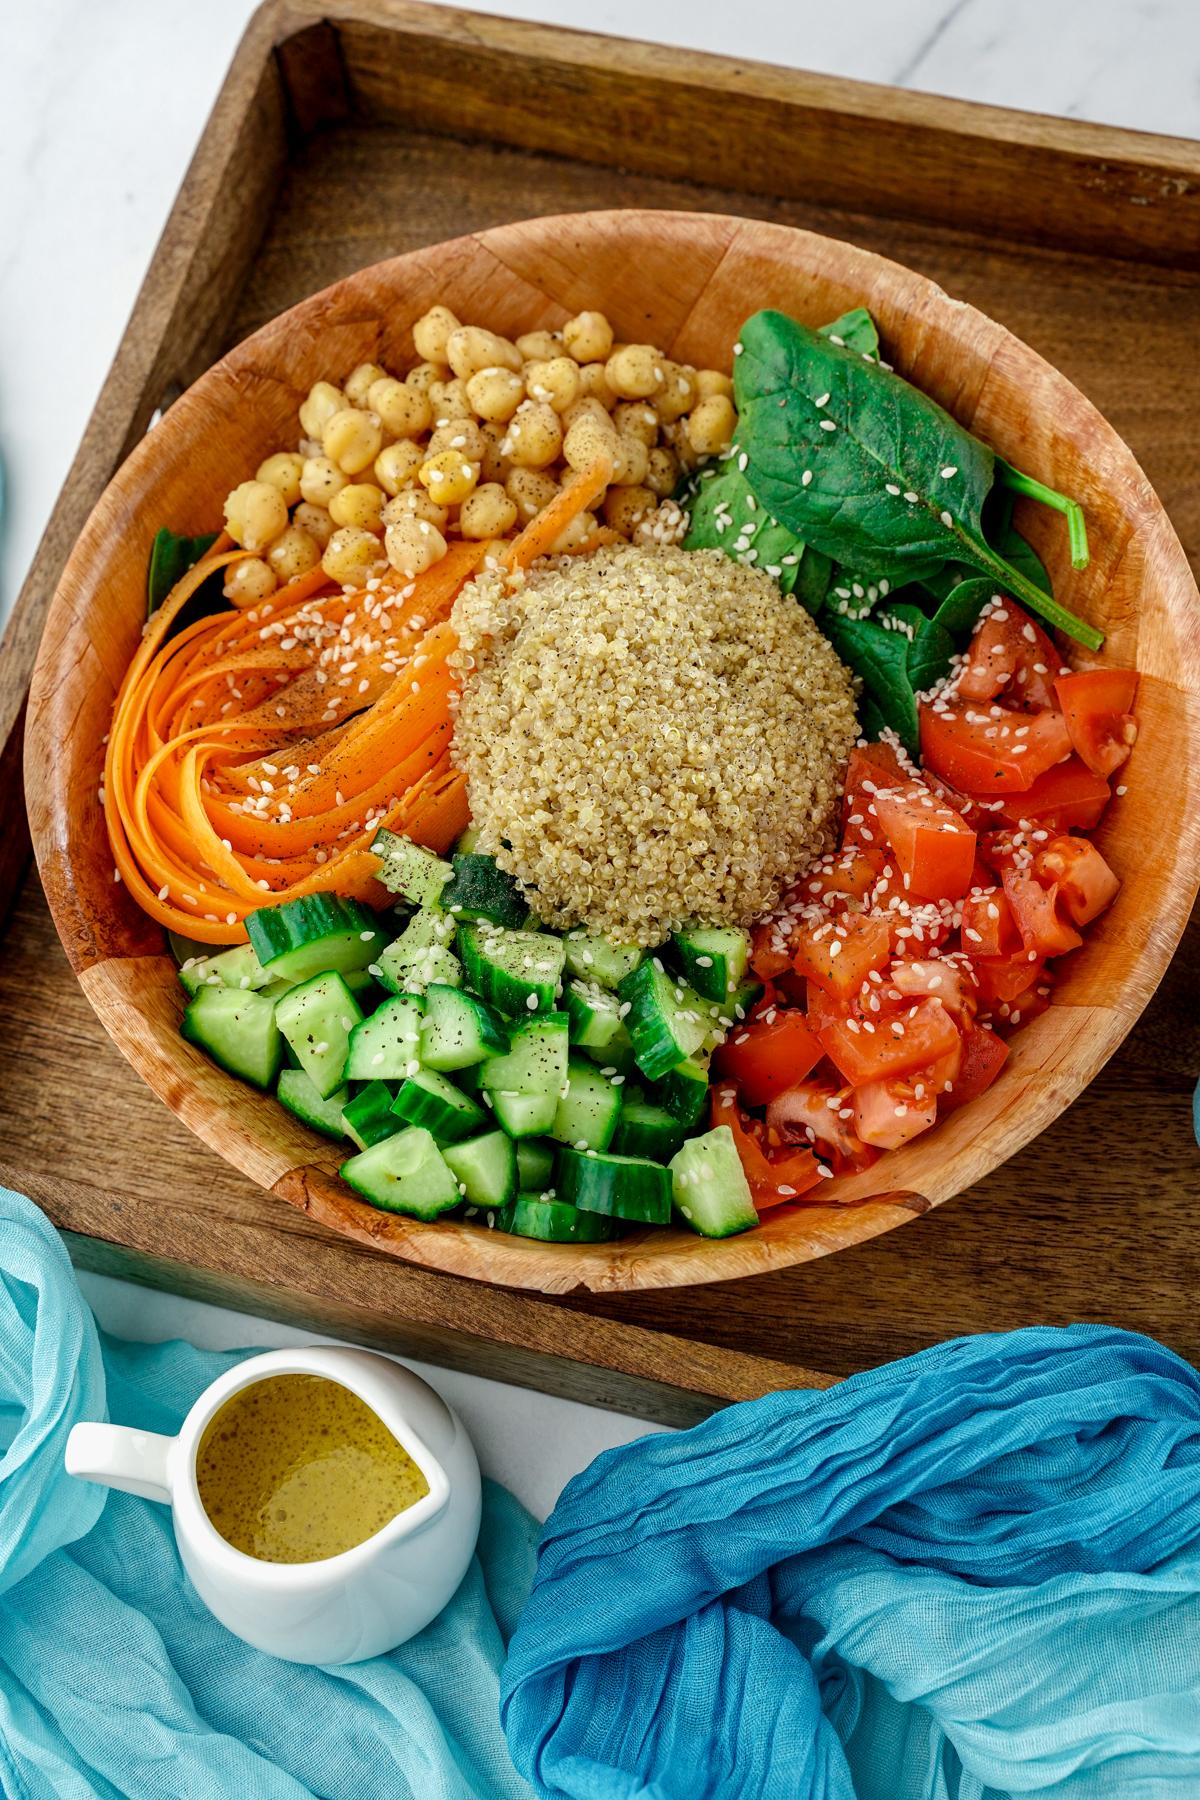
971	1574
115	1680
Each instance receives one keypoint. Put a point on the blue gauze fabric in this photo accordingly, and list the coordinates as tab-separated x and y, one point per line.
971	1574
115	1680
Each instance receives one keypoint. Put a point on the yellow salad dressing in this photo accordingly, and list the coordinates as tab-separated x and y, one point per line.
296	1467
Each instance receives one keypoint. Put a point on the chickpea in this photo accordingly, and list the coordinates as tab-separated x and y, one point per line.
320	480
587	440
624	507
711	425
463	435
397	464
358	504
494	464
632	461
588	408
637	418
495	393
540	346
360	383
422	376
680	443
351	554
353	439
530	491
471	348
323	401
246	582
678	394
635	371
534	437
487	513
588	337
556	382
293	553
315	520
710	382
662	471
449	477
594	383
401	409
431	333
414	545
283	472
574	534
415	503
255	513
449	400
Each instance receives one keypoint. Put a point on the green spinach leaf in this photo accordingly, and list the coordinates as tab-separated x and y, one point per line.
866	467
855	330
726	515
171	557
960	610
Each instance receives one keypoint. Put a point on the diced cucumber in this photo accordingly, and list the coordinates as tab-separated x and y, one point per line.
364	987
429	1099
467	842
709	1185
312	936
683	1090
297	1093
536	1061
647	1130
587	1113
480	889
525	1115
187	950
409	869
421	955
595	1014
552	1222
238	1030
485	1168
405	1173
518	971
535	1165
667	1021
741	1003
617	1055
368	1118
317	1019
714	958
596	959
386	1047
624	1187
458	1030
237	967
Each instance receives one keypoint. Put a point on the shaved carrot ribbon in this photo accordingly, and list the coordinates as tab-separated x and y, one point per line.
539	535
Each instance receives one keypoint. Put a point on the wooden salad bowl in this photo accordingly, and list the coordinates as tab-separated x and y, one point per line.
685	282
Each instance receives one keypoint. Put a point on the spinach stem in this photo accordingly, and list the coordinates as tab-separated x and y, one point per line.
1044	604
1018	483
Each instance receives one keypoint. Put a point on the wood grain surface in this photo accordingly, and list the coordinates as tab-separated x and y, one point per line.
1090	1221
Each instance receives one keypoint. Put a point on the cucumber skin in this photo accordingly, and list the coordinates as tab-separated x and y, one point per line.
554	1222
324	1116
479	889
588	1182
648	1131
650	1022
371	1118
285	931
417	1106
680	1093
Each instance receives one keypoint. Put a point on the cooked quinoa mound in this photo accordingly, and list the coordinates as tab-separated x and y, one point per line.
651	736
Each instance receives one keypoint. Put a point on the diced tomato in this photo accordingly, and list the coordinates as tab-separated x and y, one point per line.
988	926
1068	797
769	1054
840	957
835	880
825	1112
891	1044
1009	654
889	1113
1098	707
933	845
1084	883
1002	848
926	978
774	1178
984	1055
1035	910
871	766
1002	978
770	953
992	751
820	1007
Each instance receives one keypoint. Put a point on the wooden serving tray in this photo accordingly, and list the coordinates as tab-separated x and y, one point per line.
344	137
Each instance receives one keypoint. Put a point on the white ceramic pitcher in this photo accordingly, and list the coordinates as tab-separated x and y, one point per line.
344	1608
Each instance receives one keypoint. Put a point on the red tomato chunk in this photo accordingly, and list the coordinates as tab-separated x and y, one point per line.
871	1049
1010	655
933	845
768	1055
840	957
991	751
1098	707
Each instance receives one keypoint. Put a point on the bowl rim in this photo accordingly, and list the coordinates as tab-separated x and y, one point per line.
131	989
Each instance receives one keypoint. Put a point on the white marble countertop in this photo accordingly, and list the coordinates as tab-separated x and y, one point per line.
103	106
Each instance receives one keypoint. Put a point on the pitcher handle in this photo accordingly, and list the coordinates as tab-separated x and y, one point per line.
136	1462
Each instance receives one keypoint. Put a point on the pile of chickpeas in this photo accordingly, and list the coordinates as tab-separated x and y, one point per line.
474	442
